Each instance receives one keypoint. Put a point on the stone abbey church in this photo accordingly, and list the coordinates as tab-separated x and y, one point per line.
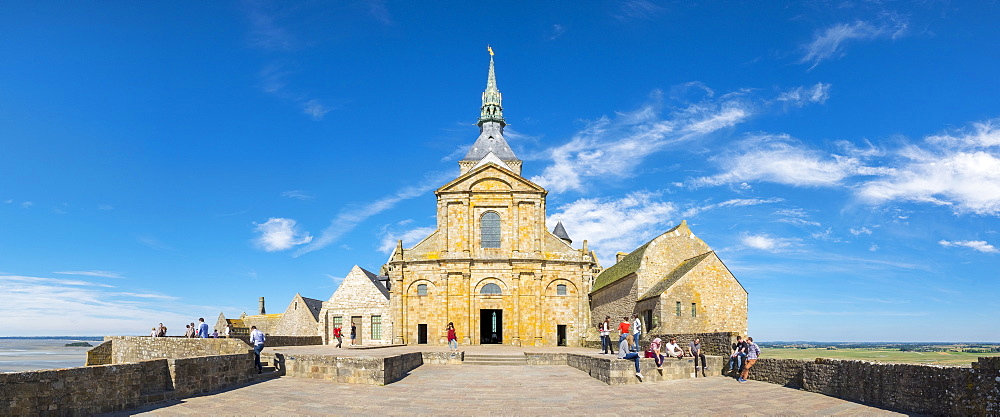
495	271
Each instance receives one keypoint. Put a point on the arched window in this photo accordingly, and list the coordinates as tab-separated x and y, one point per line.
421	289
561	289
490	230
491	289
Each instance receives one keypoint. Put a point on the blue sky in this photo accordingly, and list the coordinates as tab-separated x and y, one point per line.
168	161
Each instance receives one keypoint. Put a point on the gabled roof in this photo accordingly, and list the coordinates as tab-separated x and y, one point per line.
313	305
686	266
628	265
376	282
505	172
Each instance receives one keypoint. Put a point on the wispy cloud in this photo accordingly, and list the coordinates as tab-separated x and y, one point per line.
739	202
153	243
274	80
613	225
637	9
350	217
103	274
801	96
378	10
297	194
768	243
278	234
977	245
265	32
829	43
409	237
556	31
959	169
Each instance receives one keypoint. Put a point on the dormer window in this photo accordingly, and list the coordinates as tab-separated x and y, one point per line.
490	230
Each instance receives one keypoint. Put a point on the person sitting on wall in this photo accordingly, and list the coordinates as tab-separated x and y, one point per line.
654	346
694	349
753	351
673	350
736	358
623	353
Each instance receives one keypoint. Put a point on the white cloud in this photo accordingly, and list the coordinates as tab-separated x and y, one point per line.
800	96
739	202
265	32
637	9
350	217
315	109
105	207
557	31
768	243
958	169
861	231
103	274
978	245
409	237
614	225
277	234
829	42
27	204
297	194
780	159
86	308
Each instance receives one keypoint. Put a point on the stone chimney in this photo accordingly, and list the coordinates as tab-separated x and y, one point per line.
261	303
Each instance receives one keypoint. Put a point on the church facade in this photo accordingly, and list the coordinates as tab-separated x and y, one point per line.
494	270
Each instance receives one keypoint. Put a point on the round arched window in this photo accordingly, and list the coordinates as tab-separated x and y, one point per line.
491	289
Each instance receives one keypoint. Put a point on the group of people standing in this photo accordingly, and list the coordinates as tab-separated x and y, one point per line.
742	358
744	355
192	330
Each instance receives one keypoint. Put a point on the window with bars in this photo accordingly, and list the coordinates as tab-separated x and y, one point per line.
678	309
376	327
694	309
338	321
490	230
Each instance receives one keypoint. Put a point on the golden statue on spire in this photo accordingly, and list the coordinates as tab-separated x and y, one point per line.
489	48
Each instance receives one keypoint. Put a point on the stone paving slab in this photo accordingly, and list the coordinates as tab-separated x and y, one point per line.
511	390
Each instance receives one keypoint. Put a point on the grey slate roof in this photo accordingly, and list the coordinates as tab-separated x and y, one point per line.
490	140
376	282
314	306
560	232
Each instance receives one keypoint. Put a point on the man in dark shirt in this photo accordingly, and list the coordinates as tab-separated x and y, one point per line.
694	348
738	355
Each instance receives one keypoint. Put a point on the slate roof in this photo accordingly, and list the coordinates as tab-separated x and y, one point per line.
376	282
685	266
560	231
490	140
314	306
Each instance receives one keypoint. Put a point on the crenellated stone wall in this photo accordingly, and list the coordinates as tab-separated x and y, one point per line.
924	389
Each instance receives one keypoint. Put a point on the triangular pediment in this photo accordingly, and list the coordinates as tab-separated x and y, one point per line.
359	283
490	177
492	158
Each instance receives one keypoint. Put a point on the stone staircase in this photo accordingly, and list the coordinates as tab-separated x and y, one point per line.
481	359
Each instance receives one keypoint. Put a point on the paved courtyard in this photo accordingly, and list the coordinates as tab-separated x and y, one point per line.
510	390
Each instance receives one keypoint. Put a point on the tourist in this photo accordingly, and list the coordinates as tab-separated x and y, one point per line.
153	333
226	330
215	334
623	329
623	353
452	339
605	329
161	331
694	349
354	333
753	351
339	334
737	357
654	347
257	340
673	350
202	328
189	330
636	331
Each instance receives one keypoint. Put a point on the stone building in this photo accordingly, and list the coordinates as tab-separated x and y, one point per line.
362	299
676	283
300	318
491	267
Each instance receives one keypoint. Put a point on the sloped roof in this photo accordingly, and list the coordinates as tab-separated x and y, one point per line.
490	140
628	265
686	266
375	281
560	231
314	306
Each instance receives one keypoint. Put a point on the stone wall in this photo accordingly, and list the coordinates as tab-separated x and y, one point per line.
614	371
276	341
99	355
108	388
923	389
125	349
617	300
713	344
352	370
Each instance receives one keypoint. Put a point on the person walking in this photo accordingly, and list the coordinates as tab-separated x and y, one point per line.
257	340
636	331
605	329
694	348
753	351
339	335
452	339
202	328
623	353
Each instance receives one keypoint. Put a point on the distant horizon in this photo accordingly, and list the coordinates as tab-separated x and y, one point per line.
757	341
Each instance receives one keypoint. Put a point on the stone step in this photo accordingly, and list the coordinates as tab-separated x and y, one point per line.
473	359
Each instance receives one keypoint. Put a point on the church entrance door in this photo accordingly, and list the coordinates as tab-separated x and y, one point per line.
490	327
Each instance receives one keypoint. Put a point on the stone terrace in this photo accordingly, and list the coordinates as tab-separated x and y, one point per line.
510	390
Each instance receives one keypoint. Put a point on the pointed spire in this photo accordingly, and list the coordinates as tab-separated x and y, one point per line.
492	109
560	232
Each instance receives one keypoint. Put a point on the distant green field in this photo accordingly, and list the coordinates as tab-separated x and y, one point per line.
877	355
